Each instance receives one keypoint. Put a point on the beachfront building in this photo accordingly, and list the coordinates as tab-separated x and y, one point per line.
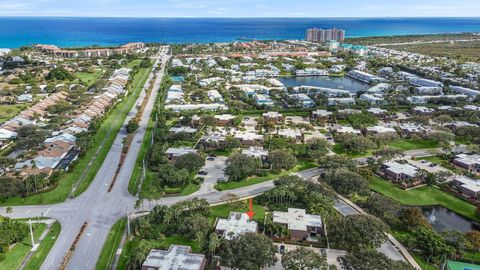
90	52
324	35
176	257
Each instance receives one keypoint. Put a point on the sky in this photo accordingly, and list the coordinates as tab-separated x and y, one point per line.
241	8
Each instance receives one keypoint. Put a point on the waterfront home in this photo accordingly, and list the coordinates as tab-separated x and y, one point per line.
467	186
301	225
176	257
402	173
364	77
304	100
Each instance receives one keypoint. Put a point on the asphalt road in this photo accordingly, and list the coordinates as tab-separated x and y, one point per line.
101	209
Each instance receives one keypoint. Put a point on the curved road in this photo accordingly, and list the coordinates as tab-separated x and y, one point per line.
100	208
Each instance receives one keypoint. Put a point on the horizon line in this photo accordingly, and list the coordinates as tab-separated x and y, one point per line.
242	17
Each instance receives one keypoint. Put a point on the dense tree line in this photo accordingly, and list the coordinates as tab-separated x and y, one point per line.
11	231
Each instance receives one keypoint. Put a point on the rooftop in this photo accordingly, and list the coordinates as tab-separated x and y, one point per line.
236	224
175	258
297	219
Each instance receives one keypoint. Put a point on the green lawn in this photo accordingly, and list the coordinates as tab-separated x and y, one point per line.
339	150
223	211
88	78
39	256
404	145
15	256
424	196
9	111
102	140
301	166
413	144
111	245
189	189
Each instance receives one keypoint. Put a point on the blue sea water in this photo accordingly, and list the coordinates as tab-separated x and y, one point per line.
69	32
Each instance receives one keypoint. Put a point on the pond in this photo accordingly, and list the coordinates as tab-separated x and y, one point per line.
443	219
343	83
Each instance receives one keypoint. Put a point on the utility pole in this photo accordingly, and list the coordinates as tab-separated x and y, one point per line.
128	224
31	232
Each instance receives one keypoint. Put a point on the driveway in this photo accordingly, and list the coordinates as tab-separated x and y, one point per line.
215	170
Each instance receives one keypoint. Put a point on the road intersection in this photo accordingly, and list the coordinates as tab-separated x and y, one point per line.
101	208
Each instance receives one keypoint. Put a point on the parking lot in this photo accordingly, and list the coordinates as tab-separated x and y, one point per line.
214	171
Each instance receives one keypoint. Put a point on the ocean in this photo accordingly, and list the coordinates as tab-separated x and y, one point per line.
71	32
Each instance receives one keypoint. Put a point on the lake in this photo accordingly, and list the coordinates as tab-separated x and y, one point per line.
443	219
343	83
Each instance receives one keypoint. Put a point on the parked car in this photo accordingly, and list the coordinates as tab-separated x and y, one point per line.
202	173
281	249
210	158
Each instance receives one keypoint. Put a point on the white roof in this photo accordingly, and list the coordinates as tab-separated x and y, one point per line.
180	129
176	152
322	112
236	224
272	114
7	134
468	183
297	219
175	258
255	151
468	159
380	129
399	168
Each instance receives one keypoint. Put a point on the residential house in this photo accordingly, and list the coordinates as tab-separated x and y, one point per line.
236	224
173	153
470	163
175	258
467	186
300	224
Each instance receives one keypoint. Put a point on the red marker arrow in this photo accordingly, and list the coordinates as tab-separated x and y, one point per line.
250	212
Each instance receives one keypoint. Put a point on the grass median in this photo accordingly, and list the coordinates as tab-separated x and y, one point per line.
101	142
111	245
